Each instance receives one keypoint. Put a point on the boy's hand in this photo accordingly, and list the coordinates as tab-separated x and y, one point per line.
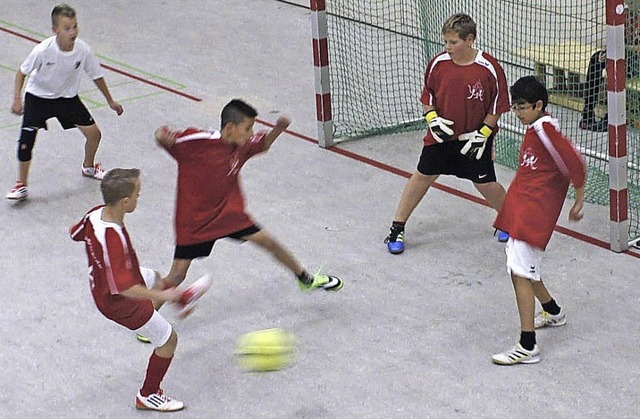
283	122
17	108
172	294
575	213
440	127
165	136
116	107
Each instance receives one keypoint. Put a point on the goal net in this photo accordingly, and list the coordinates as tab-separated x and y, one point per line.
378	52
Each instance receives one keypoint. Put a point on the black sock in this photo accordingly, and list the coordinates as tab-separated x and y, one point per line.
305	278
551	307
398	225
528	340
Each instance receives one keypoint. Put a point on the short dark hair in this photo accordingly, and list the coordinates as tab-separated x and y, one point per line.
529	89
118	184
235	112
461	24
62	10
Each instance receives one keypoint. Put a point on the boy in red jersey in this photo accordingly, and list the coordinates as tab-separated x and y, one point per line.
123	291
55	67
210	201
549	162
465	92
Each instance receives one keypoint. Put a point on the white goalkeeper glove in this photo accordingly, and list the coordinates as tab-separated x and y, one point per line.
476	141
440	127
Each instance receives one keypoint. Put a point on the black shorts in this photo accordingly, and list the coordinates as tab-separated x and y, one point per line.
70	112
445	159
201	250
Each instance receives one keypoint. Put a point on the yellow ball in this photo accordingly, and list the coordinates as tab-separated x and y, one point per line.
265	350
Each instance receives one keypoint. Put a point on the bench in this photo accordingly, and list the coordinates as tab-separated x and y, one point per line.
568	62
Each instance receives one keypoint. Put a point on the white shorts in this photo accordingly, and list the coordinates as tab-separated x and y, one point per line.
157	329
523	259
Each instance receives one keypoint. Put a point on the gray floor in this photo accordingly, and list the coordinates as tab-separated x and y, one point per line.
409	336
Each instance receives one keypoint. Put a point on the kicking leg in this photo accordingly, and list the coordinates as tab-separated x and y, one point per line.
306	281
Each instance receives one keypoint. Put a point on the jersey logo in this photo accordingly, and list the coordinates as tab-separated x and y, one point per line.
50	63
77	64
476	92
529	159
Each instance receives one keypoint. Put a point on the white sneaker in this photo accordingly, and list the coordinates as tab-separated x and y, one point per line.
544	319
95	172
517	355
18	192
192	294
158	401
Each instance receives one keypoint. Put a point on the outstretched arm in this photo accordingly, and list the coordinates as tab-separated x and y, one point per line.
281	125
165	136
140	292
102	86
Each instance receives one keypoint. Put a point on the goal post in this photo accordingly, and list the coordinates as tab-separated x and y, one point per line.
370	58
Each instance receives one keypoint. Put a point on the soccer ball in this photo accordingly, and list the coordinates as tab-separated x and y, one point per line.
265	350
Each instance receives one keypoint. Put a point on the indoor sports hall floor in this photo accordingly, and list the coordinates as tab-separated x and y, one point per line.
409	336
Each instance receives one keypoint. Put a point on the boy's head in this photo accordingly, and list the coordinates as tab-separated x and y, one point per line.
61	10
65	25
121	186
529	99
236	122
459	32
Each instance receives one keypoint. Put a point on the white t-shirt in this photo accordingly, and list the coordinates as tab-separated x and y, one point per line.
54	73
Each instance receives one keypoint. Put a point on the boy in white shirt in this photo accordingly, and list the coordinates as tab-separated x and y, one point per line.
54	68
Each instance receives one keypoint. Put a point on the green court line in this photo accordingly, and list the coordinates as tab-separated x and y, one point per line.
95	105
146	73
105	58
29	31
99	105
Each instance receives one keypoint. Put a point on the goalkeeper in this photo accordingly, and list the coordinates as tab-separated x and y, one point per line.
465	92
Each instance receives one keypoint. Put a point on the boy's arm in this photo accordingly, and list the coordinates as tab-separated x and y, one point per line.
281	125
140	292
17	106
102	86
575	213
166	137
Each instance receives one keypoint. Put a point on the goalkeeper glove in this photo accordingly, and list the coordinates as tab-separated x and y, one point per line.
476	141
440	127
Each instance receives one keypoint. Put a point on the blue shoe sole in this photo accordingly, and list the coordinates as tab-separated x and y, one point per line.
395	248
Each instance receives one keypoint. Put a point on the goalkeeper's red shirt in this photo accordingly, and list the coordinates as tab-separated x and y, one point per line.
113	268
465	94
209	198
549	162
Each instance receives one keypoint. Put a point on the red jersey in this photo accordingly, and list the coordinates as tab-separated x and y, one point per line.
465	94
210	201
113	267
548	163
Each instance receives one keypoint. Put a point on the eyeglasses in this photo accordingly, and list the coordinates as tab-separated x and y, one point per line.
521	108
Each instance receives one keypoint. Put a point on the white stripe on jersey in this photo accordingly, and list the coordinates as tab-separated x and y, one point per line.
100	230
202	135
481	60
546	141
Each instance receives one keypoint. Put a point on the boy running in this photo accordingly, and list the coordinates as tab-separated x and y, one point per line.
549	162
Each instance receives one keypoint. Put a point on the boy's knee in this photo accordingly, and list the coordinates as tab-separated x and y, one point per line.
26	142
170	346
